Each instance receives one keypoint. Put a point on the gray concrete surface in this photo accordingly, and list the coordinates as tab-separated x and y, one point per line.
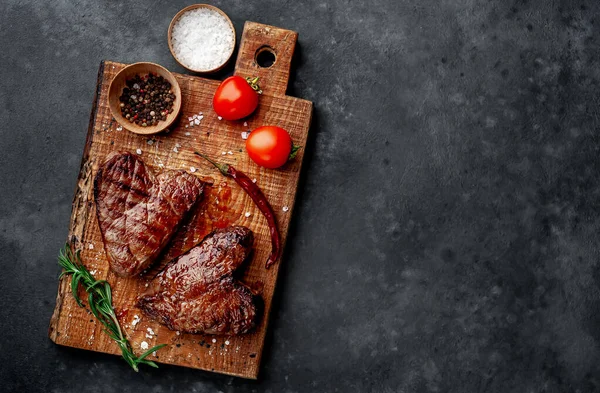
446	235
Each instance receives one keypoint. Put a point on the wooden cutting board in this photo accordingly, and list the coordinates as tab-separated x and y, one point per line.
224	203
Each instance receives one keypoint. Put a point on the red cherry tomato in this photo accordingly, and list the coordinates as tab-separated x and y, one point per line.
235	98
269	146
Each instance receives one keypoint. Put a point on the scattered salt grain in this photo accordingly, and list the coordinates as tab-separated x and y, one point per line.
175	149
154	353
285	208
91	246
146	285
135	321
196	121
144	345
161	165
219	117
192	169
253	180
92	272
150	142
186	126
139	151
202	39
119	128
245	124
187	134
150	330
247	214
245	135
214	340
192	118
230	152
224	153
177	333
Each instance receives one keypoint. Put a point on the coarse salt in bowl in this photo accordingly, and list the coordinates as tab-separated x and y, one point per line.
201	38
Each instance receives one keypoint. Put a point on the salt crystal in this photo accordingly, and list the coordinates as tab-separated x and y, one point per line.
285	208
186	126
224	153
177	333
230	152
139	151
245	135
192	118
161	165
219	117
150	142
149	336
154	353
192	169
135	321
187	134
150	330
177	145
197	121
175	149
247	214
214	340
91	246
245	124
119	128
144	345
253	180
226	342
200	117
202	39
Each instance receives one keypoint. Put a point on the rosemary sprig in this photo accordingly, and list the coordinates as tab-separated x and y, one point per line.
100	301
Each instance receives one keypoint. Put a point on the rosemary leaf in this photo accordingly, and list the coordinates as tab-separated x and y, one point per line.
100	302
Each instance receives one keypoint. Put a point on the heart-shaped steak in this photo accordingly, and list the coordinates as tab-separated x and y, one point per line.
139	212
196	292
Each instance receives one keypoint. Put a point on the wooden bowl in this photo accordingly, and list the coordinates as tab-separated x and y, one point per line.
116	89
193	7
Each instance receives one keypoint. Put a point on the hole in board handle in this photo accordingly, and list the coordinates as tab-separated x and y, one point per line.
265	57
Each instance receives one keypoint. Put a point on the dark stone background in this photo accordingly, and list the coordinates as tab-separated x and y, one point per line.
445	237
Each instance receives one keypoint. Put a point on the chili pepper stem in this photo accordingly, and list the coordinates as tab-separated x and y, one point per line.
223	168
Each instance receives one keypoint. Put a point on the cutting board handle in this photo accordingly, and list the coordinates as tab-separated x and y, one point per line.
258	38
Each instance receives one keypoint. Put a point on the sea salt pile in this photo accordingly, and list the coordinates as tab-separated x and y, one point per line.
202	39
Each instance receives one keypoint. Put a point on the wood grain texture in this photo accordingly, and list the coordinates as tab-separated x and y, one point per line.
224	204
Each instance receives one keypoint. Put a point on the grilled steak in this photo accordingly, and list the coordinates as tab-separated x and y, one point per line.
139	212
196	292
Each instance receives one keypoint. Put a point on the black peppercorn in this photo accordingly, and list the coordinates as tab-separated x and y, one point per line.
146	100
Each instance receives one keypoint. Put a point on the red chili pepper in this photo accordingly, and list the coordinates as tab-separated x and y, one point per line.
261	201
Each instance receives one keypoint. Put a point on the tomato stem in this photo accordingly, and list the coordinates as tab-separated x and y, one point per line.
294	151
253	82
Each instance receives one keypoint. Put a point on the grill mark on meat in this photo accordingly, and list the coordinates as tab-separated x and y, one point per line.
138	212
128	188
196	292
